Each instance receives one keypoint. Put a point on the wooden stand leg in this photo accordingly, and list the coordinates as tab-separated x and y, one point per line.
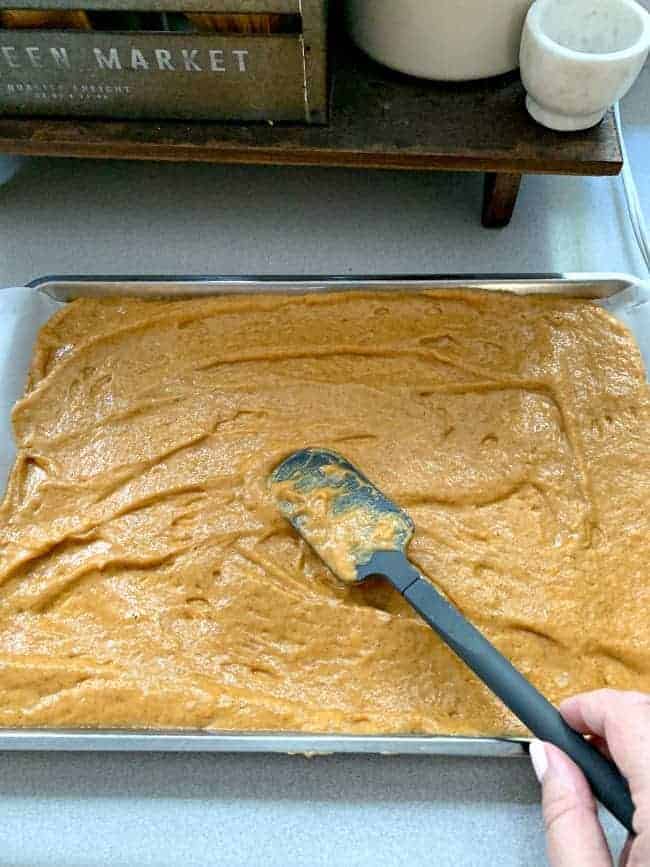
499	197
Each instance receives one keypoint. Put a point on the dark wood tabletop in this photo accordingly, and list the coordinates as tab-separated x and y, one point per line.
379	119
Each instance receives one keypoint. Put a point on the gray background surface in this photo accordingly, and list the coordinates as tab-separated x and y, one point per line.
70	216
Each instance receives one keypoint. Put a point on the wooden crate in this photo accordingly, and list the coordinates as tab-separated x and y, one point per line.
249	60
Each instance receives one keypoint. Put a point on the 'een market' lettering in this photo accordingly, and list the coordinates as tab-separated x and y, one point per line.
138	60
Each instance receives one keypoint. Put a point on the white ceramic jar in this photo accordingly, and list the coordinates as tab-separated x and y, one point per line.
448	40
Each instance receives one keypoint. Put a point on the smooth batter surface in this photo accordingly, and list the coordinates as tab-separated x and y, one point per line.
146	578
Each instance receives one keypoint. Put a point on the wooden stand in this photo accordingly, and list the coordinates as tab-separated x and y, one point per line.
379	119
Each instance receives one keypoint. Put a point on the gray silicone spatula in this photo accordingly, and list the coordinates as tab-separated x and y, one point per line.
358	533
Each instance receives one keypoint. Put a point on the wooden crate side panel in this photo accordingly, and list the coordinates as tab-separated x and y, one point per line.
152	75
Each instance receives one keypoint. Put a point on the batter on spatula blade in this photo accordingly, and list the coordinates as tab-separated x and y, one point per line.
338	511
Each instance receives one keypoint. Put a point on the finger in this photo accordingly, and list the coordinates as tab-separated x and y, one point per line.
574	836
623	720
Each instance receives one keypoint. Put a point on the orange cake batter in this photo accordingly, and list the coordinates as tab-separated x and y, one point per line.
147	580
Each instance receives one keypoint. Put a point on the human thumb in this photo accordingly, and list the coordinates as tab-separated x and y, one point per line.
574	836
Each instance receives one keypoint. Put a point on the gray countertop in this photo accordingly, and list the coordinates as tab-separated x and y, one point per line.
65	216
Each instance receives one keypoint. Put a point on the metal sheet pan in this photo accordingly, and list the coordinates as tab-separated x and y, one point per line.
23	310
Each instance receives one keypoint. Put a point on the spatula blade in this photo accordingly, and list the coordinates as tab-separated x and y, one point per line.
338	511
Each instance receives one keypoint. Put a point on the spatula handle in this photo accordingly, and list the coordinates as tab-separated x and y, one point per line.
517	693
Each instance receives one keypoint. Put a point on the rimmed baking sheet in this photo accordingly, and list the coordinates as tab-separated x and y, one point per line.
24	310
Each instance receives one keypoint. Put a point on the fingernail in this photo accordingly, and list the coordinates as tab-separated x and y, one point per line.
539	759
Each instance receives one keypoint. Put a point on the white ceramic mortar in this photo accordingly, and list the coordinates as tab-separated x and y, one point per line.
578	57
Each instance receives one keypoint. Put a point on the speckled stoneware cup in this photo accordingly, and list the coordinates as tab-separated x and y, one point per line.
578	57
447	40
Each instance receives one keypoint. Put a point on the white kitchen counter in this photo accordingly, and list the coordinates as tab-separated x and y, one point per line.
67	217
